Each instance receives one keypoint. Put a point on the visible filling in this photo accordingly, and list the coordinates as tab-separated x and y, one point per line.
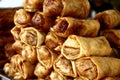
71	51
38	20
64	65
61	26
71	48
86	68
31	39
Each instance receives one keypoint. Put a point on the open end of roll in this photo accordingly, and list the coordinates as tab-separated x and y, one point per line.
61	26
86	68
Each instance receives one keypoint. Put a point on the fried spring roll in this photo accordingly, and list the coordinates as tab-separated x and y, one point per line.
96	68
18	68
88	28
42	22
77	46
32	36
108	19
15	31
9	70
22	17
73	8
64	66
55	40
65	26
33	5
41	71
6	17
113	36
56	76
45	56
29	54
52	8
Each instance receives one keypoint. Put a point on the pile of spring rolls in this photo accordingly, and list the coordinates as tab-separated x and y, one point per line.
55	40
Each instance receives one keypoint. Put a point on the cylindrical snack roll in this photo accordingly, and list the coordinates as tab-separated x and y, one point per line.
33	5
56	76
32	36
22	17
42	22
75	8
71	8
45	56
55	40
18	68
108	19
113	36
52	8
65	26
77	46
41	71
64	66
88	28
29	54
96	68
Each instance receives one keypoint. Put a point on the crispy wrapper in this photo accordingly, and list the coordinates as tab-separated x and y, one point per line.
108	19
65	26
45	56
32	36
41	71
55	40
56	76
88	28
42	22
29	53
33	5
9	70
15	31
52	8
73	8
113	36
18	68
22	17
96	68
64	66
77	46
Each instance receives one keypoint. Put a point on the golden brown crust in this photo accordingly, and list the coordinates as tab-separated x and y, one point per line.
33	5
64	66
113	36
41	21
108	19
45	56
103	67
77	46
22	17
76	8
